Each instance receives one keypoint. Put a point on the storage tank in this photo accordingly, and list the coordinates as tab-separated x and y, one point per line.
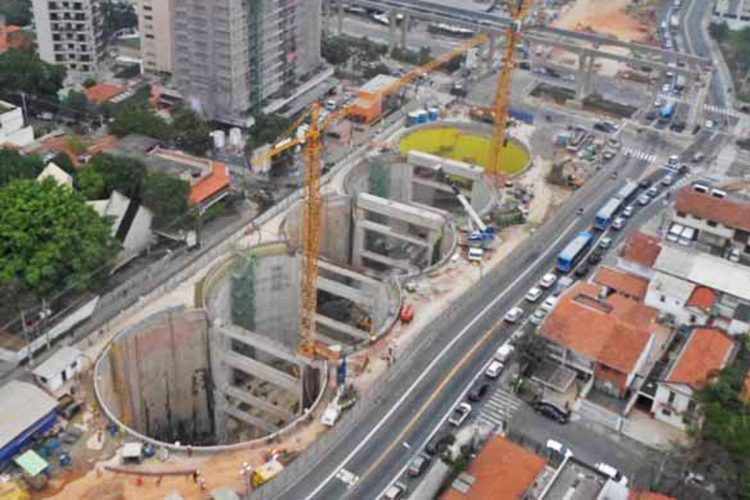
433	114
219	139
235	137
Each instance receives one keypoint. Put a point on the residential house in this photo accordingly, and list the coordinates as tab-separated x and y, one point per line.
104	92
679	271
12	126
721	220
52	171
212	187
604	335
626	284
13	37
706	352
639	253
131	224
503	469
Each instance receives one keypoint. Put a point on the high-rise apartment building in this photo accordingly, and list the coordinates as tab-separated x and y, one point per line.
155	25
231	57
70	33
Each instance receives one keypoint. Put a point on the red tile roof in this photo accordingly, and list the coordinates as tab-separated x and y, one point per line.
621	282
12	37
648	495
103	92
613	331
210	185
642	249
503	470
727	211
706	352
703	298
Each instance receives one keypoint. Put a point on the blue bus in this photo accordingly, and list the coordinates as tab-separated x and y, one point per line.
575	250
606	214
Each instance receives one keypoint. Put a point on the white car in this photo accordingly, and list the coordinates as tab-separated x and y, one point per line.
667	180
618	223
734	255
613	473
548	280
460	414
558	447
666	88
513	315
628	211
534	294
494	369
644	199
395	492
709	124
548	304
605	243
673	161
538	316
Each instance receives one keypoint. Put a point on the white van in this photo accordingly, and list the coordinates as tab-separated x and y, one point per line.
612	473
686	238
475	254
674	232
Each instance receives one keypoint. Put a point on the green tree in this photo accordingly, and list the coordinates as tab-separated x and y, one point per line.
77	101
49	237
24	71
378	69
267	130
120	173
719	31
63	161
91	184
139	120
336	50
167	196
15	166
118	15
190	132
16	12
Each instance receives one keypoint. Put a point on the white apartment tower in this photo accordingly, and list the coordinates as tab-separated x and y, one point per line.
70	34
231	57
155	25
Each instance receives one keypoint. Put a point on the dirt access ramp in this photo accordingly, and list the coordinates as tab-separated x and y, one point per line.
623	19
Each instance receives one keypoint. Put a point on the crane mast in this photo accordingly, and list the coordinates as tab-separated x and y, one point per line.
502	91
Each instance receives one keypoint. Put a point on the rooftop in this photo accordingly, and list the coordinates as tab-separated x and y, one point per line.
704	269
576	481
52	171
707	351
58	362
702	298
613	331
729	211
648	495
378	83
622	282
642	249
103	92
36	404
503	469
211	185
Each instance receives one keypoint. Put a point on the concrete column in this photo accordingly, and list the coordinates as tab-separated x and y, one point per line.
358	242
491	50
391	30
407	173
340	16
588	87
581	75
404	29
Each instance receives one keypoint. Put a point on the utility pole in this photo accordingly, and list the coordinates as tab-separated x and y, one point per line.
26	334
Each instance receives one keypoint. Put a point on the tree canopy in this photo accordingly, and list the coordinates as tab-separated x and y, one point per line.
13	165
190	132
16	12
24	71
49	237
167	196
119	173
267	130
139	120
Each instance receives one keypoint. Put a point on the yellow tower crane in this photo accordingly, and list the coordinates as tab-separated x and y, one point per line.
519	10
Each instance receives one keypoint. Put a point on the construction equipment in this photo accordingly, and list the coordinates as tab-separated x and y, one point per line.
481	232
502	93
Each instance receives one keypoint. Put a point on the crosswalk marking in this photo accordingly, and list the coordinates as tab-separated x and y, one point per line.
639	154
709	108
498	409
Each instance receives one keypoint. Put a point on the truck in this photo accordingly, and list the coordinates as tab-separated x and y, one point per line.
266	472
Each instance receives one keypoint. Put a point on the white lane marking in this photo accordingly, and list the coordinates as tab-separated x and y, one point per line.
442	353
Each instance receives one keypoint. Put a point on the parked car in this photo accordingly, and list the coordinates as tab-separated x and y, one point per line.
644	184
594	258
538	316
558	447
582	270
418	465
667	180
613	473
628	211
513	315
494	369
478	392
439	443
605	243
548	280
618	223
534	294
549	304
395	492
460	414
652	191
734	255
552	411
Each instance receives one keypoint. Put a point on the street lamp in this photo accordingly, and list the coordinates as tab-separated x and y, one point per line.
246	472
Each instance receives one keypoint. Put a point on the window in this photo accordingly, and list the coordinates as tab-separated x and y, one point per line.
711	223
672	397
662	298
666	412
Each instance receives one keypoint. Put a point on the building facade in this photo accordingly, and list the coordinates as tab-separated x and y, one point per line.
155	26
232	57
13	129
70	34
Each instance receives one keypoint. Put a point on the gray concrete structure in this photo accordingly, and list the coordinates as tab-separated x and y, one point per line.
233	56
